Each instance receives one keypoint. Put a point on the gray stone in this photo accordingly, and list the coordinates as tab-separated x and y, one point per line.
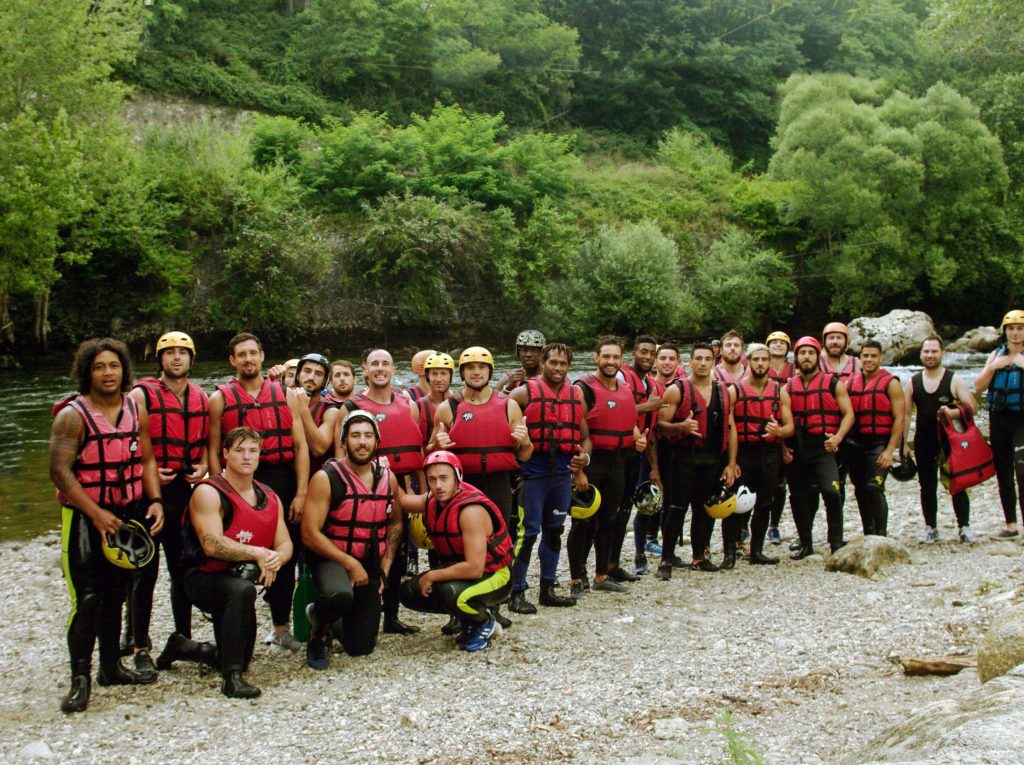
978	340
867	556
671	727
650	759
982	726
36	749
1002	648
900	332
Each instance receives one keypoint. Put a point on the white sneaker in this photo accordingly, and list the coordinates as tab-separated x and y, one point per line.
929	535
967	536
283	640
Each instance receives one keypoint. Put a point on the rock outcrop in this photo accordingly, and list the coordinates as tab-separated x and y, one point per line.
978	340
900	332
1002	649
867	556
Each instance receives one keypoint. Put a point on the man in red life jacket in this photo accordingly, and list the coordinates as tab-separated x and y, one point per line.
611	415
179	420
236	538
835	339
401	442
474	549
275	412
665	364
879	410
763	420
779	370
351	529
102	464
731	368
319	416
823	416
931	389
343	382
553	411
439	369
529	343
698	422
422	386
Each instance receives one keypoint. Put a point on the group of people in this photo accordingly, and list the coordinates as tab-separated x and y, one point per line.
296	465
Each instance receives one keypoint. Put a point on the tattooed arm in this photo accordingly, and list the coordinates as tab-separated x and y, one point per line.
65	440
394	538
205	511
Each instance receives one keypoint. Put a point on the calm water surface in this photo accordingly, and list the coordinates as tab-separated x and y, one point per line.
27	504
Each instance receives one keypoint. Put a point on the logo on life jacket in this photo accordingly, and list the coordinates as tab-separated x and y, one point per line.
467	416
244	536
380	417
611	404
964	444
133	446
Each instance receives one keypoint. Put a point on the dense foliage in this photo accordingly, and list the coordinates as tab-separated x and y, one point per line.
463	167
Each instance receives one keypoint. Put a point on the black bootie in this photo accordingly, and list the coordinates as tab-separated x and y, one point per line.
548	596
78	697
235	686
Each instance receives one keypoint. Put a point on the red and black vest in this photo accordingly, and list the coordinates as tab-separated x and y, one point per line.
357	523
871	405
109	463
442	525
553	419
642	388
428	410
850	368
782	376
268	414
690	399
400	438
721	374
612	416
482	434
815	409
243	523
178	432
753	411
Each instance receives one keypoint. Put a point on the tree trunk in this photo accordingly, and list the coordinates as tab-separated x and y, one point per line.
41	326
6	325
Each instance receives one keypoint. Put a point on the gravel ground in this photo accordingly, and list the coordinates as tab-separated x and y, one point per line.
804	661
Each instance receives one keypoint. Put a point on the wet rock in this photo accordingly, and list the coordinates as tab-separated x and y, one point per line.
978	340
900	332
1002	648
867	556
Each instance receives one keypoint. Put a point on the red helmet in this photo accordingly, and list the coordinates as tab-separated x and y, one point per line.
444	458
807	340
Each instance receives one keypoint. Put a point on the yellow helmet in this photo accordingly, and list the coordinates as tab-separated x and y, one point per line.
585	504
130	547
721	505
476	353
175	340
418	532
439	361
836	326
291	364
1012	317
778	335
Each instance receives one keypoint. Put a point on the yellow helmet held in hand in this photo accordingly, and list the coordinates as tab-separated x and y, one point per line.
476	353
418	532
779	335
721	505
585	503
1012	317
130	547
439	361
175	340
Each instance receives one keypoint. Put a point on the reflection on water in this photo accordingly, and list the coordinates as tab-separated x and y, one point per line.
27	505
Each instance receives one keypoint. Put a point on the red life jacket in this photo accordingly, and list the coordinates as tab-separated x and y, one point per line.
243	523
109	463
753	411
966	459
332	400
442	525
691	399
400	438
782	377
553	420
612	417
721	374
357	523
428	410
178	433
642	388
871	405
268	414
482	434
815	409
850	368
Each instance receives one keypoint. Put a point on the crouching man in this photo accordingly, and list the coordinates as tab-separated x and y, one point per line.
236	538
468	533
351	532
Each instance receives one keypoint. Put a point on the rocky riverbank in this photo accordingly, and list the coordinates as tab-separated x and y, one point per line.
804	660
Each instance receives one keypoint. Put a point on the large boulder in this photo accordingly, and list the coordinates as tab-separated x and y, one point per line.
900	332
978	340
867	556
983	726
1002	648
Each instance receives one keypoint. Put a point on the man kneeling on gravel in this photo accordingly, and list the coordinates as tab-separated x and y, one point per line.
468	533
235	538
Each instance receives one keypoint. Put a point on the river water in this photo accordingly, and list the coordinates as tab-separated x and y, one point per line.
27	504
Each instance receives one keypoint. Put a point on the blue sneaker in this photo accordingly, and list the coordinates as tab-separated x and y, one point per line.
652	547
744	536
478	638
774	537
640	565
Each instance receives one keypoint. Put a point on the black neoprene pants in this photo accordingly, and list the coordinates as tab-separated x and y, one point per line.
760	466
1006	433
693	477
281	478
467	599
232	604
928	477
354	612
605	472
869	485
394	583
813	471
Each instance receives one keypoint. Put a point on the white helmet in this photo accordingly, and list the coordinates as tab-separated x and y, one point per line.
745	500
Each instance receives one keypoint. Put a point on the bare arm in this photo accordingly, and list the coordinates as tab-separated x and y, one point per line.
214	439
394	534
442	424
301	457
521	434
150	476
205	513
908	410
994	364
846	408
963	393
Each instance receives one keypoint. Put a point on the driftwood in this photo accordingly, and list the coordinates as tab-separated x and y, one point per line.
937	665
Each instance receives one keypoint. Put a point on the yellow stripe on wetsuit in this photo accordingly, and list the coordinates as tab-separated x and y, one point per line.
67	518
495	581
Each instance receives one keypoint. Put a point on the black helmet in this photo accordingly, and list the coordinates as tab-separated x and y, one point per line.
905	470
316	358
647	498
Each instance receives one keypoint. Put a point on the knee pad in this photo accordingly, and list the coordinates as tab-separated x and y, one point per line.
553	538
